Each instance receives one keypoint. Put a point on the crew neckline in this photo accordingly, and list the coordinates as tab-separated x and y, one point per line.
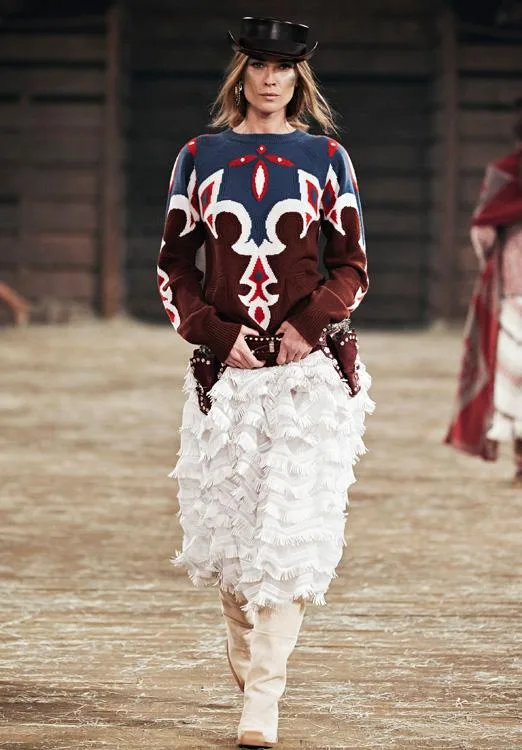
267	137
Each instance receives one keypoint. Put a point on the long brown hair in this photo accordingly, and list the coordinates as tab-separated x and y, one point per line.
306	103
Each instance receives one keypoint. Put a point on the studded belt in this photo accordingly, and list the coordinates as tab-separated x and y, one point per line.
338	342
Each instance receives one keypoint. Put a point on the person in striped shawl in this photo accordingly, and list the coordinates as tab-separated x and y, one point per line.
489	401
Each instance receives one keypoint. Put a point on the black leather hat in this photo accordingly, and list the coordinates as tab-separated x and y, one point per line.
268	37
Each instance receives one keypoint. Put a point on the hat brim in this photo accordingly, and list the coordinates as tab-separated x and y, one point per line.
265	54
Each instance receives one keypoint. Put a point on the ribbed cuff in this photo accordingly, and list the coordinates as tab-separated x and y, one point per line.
222	337
310	323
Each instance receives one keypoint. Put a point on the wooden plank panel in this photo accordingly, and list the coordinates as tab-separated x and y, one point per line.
402	158
148	218
51	250
463	219
389	98
50	182
480	123
489	91
141	286
376	123
362	29
305	11
412	191
56	283
389	283
475	155
406	222
52	215
46	183
163	93
394	255
468	189
9	115
502	57
413	63
142	251
74	148
153	189
9	216
389	311
56	23
111	255
9	277
40	47
58	81
9	243
441	293
146	308
486	124
10	146
86	116
180	58
467	282
467	260
196	119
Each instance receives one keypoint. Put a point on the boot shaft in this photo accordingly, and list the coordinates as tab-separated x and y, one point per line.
273	639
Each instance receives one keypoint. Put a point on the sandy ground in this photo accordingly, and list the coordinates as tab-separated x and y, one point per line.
104	645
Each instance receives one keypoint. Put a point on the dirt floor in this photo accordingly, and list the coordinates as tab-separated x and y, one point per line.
104	645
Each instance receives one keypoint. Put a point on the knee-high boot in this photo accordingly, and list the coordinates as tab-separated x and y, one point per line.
239	629
273	639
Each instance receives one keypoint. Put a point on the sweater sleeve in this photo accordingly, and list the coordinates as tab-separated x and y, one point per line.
344	253
179	279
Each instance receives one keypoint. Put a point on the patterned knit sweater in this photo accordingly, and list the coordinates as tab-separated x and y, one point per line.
240	243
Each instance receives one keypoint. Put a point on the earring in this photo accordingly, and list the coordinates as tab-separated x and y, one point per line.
237	92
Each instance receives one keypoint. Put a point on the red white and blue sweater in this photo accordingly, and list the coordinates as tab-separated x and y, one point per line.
240	243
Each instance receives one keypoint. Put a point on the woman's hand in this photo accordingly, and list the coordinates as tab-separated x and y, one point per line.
240	355
293	346
483	239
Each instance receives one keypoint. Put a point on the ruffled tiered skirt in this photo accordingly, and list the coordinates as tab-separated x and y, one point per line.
263	480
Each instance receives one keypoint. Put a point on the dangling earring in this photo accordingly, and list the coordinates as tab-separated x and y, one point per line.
237	92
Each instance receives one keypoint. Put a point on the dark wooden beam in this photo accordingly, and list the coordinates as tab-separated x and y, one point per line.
446	263
111	265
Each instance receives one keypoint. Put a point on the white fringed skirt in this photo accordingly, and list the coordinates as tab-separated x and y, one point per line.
263	480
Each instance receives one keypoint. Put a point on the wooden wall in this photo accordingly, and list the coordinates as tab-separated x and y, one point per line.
52	170
376	64
478	78
489	79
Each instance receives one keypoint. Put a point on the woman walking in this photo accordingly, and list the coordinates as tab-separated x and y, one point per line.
489	406
277	396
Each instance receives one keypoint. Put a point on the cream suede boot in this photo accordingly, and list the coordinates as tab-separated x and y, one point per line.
272	641
239	629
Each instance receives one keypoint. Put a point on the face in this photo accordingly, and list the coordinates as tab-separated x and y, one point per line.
269	85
